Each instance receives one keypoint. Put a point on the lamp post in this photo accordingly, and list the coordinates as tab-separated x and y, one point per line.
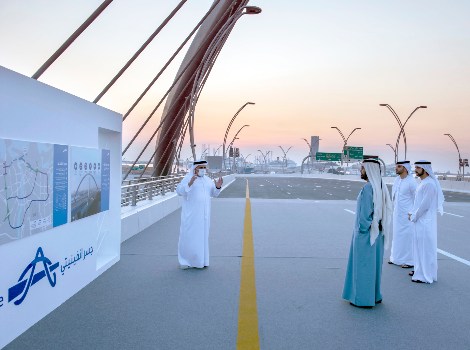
217	150
461	164
394	152
264	157
245	158
401	125
285	155
345	139
310	155
233	140
204	152
229	126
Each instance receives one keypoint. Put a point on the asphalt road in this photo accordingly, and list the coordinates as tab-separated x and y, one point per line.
308	188
301	250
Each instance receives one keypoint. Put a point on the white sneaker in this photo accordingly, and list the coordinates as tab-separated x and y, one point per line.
184	267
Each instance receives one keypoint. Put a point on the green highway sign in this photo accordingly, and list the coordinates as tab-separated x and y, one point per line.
353	152
333	157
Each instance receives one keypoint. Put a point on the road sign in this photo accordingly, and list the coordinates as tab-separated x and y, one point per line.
353	152
333	157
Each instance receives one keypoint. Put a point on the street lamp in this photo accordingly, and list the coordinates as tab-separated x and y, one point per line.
252	10
204	152
228	128
310	155
264	157
460	158
345	139
233	140
245	158
217	150
285	154
394	152
401	125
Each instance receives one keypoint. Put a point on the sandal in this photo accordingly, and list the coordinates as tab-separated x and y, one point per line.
406	266
411	273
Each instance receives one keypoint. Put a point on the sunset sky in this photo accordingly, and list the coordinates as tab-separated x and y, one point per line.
308	65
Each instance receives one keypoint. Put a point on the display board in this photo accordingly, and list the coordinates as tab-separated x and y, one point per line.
45	256
38	178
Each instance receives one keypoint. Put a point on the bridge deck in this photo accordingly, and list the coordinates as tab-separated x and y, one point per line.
301	248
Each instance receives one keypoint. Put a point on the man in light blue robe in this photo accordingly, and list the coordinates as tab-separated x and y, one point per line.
371	231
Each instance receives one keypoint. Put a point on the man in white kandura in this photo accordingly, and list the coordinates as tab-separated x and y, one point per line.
428	201
403	195
197	190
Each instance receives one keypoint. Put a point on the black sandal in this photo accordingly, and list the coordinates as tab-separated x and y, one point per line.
406	266
411	273
418	281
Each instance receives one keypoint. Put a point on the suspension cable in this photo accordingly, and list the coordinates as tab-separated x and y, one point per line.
169	90
139	51
168	62
71	39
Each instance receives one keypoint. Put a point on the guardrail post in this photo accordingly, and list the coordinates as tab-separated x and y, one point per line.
134	195
163	187
150	191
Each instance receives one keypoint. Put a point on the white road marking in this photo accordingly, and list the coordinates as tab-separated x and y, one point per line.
452	256
459	216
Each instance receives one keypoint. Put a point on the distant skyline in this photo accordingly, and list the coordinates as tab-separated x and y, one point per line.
308	65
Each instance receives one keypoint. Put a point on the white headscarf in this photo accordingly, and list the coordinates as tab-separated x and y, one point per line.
426	165
190	173
407	165
382	203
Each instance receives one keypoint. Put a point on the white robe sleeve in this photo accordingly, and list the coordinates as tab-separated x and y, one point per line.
426	198
183	188
395	187
413	186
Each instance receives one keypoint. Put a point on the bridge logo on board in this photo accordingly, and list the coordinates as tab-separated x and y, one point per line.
36	270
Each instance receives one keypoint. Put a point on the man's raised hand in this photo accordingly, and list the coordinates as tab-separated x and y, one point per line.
219	182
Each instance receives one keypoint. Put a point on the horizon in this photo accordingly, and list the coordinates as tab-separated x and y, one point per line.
307	68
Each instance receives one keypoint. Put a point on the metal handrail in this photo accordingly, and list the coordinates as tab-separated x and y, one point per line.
145	189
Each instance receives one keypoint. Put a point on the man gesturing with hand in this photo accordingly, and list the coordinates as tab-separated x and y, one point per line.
196	189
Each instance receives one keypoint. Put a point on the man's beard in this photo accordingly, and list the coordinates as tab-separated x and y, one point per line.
418	174
364	176
398	172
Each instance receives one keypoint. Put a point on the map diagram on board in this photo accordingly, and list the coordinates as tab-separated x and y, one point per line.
26	182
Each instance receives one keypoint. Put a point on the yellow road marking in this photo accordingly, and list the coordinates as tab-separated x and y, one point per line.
248	337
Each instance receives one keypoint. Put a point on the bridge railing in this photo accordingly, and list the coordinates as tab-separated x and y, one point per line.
145	189
136	190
